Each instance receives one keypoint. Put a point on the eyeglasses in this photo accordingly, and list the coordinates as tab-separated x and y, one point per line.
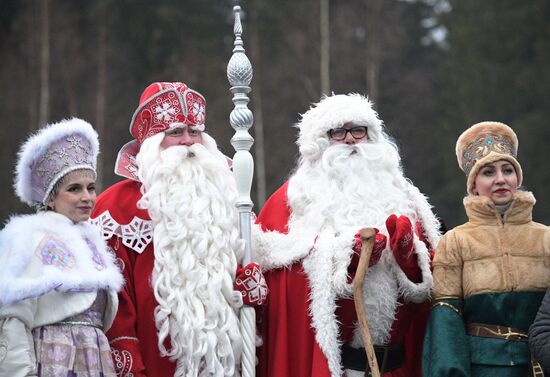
340	134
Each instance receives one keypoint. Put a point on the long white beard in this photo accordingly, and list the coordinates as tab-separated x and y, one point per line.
189	194
352	185
348	188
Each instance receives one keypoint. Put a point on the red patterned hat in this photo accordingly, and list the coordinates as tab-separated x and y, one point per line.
161	106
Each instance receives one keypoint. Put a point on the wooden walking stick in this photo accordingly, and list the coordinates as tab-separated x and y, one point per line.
367	237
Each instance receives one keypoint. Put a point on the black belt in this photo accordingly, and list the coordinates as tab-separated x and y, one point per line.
356	358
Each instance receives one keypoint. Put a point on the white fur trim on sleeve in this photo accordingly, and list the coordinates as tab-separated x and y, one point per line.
341	247
415	292
275	250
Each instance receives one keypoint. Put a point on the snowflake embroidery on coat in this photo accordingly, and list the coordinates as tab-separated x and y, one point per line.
53	252
96	257
136	235
164	112
123	363
131	166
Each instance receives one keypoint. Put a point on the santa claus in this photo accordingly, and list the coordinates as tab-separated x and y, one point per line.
348	177
173	226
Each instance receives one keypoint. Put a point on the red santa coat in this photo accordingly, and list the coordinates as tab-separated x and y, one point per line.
133	335
290	348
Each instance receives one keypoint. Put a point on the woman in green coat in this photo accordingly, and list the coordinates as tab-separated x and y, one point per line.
491	273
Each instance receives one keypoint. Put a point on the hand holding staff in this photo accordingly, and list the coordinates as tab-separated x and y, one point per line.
367	237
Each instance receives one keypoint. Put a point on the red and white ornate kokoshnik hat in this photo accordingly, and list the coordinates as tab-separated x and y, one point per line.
162	105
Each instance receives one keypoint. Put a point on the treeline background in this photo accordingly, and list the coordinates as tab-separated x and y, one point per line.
433	68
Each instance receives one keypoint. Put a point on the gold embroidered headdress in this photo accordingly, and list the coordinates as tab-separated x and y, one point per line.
484	143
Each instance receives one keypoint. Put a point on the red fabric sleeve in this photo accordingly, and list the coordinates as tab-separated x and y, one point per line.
275	214
125	347
134	328
411	269
289	348
415	334
422	236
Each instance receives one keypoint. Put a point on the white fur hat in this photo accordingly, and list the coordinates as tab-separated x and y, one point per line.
333	112
50	154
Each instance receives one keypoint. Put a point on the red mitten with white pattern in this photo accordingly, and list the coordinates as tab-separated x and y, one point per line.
251	283
377	249
401	235
379	246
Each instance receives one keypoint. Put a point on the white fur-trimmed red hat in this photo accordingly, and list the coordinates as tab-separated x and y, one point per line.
51	153
333	112
162	105
484	143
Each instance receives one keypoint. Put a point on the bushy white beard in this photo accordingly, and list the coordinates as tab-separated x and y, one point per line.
189	193
348	188
352	185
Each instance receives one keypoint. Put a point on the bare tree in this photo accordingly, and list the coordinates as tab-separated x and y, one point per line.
258	112
67	52
44	104
101	91
29	64
325	46
373	47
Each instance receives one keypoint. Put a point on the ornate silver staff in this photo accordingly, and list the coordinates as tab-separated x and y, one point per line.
239	74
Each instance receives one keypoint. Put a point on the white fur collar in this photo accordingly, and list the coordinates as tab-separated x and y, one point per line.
46	251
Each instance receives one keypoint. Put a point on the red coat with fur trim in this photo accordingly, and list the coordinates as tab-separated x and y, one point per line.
290	347
133	335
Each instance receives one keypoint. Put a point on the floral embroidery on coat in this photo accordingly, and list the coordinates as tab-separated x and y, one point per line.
53	252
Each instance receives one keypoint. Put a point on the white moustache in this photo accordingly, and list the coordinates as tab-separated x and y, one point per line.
182	151
340	153
369	151
364	155
173	157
